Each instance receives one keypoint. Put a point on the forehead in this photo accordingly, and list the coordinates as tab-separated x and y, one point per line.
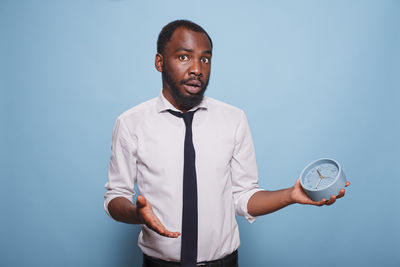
188	39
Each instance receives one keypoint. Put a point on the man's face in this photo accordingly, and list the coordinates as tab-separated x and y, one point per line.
185	67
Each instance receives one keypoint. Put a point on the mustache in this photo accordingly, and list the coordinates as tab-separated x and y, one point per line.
192	79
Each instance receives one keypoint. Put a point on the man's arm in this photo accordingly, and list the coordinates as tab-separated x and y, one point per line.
122	210
264	202
120	186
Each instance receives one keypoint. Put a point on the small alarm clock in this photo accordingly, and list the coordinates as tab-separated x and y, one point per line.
322	178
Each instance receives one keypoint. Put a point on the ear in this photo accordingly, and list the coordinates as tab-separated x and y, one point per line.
159	62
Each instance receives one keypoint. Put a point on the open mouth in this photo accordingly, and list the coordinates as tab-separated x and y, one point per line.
193	86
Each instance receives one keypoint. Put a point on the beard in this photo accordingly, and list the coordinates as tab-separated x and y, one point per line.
184	101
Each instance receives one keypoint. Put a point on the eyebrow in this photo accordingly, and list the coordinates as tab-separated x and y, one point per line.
191	50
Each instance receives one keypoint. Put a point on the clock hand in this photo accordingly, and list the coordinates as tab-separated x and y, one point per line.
320	178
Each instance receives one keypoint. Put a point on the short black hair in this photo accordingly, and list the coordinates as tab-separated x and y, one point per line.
168	30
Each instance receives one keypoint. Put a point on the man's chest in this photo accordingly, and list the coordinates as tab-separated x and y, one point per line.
162	144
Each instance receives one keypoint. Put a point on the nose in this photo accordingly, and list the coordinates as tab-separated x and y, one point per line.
195	68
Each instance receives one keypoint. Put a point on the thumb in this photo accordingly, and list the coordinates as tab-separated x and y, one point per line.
298	184
141	201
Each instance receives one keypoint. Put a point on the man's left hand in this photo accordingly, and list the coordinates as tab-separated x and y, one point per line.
299	196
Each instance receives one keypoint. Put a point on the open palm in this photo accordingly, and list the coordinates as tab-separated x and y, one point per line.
147	216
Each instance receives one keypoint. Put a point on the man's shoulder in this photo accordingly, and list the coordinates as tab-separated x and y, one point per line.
222	106
140	109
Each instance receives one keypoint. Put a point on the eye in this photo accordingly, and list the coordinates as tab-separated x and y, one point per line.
205	60
183	57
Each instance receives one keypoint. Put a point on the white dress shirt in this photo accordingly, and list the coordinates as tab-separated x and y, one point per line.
147	149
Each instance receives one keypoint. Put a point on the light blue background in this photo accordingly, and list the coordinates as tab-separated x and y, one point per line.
315	78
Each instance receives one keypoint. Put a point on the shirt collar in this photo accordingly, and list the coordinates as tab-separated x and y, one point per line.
163	104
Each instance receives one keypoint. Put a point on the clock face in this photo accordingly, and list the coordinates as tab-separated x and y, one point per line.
321	176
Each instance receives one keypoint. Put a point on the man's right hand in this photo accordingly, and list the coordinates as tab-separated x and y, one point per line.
146	215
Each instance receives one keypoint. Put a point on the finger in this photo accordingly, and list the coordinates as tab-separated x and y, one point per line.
298	183
347	184
172	234
319	203
341	193
158	227
331	200
154	223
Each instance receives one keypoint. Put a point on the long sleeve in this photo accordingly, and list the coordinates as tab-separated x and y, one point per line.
244	169
122	168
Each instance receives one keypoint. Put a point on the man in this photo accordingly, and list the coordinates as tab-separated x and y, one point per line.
193	160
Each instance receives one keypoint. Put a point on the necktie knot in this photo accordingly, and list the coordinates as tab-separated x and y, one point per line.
187	116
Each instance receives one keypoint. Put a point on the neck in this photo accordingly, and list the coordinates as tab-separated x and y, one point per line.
167	94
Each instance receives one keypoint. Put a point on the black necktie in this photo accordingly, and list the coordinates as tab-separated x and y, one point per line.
189	210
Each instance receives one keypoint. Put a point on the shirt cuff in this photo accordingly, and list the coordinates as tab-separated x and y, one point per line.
244	199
